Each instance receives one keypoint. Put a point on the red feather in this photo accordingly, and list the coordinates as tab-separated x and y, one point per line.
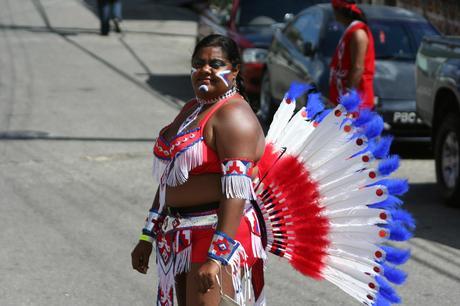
289	200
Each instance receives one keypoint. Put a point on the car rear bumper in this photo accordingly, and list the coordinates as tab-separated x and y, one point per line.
402	121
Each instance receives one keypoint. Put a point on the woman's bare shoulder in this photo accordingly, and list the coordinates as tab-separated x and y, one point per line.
237	114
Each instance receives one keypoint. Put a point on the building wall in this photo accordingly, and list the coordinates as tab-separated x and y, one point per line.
444	14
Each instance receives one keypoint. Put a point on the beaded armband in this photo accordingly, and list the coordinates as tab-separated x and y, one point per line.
236	179
223	248
152	225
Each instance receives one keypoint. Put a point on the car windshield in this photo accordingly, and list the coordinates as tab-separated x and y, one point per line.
266	12
396	40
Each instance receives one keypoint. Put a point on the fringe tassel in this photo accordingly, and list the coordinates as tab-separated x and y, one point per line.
159	166
256	241
182	261
237	187
261	300
191	157
241	283
179	262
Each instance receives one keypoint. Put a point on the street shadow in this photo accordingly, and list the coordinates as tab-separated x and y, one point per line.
435	220
150	10
176	86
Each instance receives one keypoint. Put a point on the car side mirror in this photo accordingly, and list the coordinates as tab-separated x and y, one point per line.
288	17
308	49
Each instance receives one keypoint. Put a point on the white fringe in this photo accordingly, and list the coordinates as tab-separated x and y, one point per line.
190	158
179	263
182	262
256	241
241	283
261	300
237	187
158	168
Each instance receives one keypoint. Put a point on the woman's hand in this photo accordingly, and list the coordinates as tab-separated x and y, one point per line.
140	256
207	274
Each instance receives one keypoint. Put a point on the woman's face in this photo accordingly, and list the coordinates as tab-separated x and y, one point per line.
211	67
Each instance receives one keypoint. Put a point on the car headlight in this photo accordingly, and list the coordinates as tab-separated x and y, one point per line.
255	55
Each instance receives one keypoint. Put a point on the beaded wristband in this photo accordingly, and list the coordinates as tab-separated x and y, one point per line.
152	224
146	238
236	179
222	248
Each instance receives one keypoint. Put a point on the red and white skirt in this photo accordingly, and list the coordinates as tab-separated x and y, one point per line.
185	238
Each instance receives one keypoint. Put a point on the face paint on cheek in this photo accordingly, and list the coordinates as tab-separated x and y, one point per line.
224	75
203	88
192	72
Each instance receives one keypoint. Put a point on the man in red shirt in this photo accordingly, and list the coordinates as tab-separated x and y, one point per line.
352	66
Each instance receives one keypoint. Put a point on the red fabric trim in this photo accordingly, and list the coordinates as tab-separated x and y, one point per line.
338	4
201	240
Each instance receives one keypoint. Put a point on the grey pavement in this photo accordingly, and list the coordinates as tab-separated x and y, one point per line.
78	113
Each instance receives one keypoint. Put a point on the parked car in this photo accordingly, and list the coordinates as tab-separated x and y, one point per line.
438	103
303	50
251	24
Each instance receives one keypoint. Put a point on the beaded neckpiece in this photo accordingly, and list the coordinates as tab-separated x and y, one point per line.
201	103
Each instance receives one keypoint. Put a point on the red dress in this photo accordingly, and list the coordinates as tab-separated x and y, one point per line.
341	65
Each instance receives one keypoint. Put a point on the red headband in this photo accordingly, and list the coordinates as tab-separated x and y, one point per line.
338	4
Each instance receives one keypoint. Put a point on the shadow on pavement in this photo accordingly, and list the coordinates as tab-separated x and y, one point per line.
176	86
149	10
435	221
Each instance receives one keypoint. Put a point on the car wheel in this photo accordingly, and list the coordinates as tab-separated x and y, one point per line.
267	105
447	155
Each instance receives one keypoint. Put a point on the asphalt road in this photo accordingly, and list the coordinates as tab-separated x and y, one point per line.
77	116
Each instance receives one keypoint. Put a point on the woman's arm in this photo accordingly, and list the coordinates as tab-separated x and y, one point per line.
358	48
238	137
141	254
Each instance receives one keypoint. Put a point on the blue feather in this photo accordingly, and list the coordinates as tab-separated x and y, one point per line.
394	255
381	301
314	105
323	115
389	165
297	89
398	232
387	291
374	127
404	217
394	275
350	101
365	116
382	147
390	202
394	186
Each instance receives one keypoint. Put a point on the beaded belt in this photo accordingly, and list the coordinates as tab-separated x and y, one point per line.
171	223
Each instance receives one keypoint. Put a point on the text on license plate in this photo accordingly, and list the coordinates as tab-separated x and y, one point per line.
406	118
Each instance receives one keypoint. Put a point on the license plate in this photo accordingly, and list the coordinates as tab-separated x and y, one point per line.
406	118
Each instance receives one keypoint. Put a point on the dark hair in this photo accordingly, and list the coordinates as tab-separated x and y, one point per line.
230	48
351	14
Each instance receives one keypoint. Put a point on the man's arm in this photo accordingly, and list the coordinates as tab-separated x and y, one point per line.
358	48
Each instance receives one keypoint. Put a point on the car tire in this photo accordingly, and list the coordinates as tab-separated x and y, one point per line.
267	105
447	158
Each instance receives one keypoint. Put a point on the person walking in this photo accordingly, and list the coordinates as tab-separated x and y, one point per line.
109	10
352	66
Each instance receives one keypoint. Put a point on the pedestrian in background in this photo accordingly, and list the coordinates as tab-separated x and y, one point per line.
352	66
109	10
